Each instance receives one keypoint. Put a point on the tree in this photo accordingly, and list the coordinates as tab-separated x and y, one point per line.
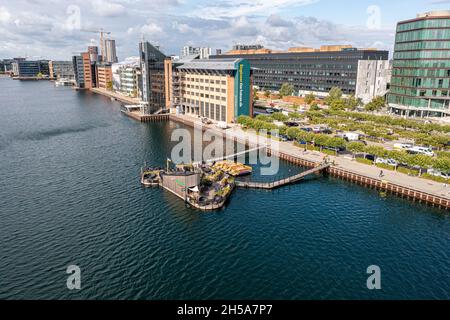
310	98
337	105
442	164
109	85
356	147
286	90
314	107
376	104
267	94
255	95
334	94
352	102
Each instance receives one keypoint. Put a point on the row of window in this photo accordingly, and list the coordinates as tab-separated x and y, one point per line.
209	110
295	66
204	95
202	80
421	82
422	72
416	102
421	64
430	45
218	90
423	55
432	23
419	92
426	34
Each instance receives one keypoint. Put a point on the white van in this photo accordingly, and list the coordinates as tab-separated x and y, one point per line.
422	150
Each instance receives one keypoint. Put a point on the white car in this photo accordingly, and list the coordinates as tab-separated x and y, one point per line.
422	150
389	162
402	146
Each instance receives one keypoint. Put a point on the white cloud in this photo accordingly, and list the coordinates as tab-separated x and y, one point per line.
151	29
5	16
106	8
237	8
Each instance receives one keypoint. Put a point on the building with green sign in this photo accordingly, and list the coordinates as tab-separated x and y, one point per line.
217	89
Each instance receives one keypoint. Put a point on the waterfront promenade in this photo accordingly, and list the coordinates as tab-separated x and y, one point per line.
117	96
390	177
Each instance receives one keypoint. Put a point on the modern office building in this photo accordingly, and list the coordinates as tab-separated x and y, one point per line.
204	52
27	68
129	80
61	70
84	69
218	89
110	55
127	77
420	83
373	79
307	69
153	91
104	76
78	68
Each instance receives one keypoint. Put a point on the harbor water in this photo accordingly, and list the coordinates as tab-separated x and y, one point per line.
70	195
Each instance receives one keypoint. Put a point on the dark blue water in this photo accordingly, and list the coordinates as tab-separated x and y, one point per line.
69	194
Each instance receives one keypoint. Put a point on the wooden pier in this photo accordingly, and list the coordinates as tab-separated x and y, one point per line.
282	182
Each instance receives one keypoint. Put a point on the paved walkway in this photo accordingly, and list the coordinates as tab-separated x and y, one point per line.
424	185
117	96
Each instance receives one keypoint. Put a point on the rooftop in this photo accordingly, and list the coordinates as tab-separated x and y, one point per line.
211	64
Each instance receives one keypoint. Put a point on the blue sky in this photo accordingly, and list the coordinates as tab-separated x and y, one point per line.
56	28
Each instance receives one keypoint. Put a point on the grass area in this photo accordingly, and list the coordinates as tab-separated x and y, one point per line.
409	172
364	161
385	166
434	178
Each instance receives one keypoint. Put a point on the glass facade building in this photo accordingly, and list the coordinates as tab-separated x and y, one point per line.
308	71
421	67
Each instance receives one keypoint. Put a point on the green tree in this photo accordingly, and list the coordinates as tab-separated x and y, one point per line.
442	164
337	105
109	85
356	147
314	107
286	90
376	104
310	98
352	102
255	95
334	94
267	94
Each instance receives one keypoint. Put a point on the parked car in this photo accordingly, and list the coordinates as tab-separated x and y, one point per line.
351	136
437	173
421	150
270	111
291	124
403	146
306	129
389	162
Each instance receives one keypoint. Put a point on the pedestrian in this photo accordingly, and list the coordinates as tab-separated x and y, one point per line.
381	174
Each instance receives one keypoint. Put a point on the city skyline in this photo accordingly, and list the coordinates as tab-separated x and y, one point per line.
29	28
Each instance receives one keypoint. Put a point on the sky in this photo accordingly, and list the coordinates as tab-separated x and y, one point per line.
58	29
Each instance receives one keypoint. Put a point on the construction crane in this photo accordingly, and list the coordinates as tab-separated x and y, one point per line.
102	33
